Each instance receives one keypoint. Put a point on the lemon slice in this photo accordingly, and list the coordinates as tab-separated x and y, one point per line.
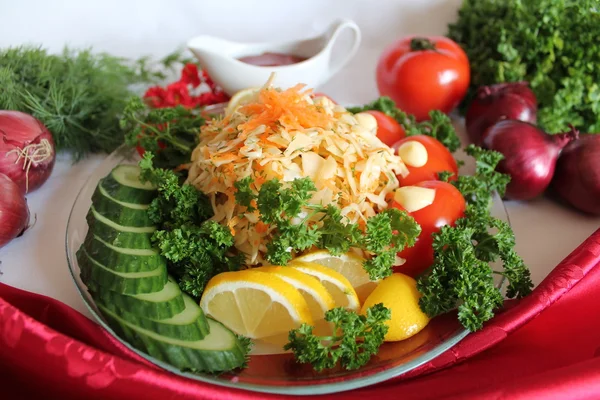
338	287
350	265
240	98
254	304
317	297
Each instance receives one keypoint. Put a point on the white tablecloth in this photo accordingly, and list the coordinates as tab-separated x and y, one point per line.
545	231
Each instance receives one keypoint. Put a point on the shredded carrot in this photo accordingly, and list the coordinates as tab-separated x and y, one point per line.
259	180
231	224
225	157
229	170
261	227
263	139
286	108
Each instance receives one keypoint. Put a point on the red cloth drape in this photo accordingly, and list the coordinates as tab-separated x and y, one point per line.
545	346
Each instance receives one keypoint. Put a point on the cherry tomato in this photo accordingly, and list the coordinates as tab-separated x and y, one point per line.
448	206
439	159
389	131
424	73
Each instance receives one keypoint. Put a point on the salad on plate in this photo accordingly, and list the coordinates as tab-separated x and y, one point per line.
286	224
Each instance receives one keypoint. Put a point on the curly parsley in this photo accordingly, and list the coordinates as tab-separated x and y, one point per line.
552	44
195	247
462	275
477	189
358	338
288	211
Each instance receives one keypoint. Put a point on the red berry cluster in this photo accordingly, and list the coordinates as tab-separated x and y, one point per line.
181	92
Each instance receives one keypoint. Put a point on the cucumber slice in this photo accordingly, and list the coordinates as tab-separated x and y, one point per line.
189	325
162	304
121	282
219	351
93	214
123	184
101	192
116	212
122	259
110	233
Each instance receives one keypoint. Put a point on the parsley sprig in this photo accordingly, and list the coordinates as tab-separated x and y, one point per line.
357	338
478	188
195	247
462	275
288	212
169	133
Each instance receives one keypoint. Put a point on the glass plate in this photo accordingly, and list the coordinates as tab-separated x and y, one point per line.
279	373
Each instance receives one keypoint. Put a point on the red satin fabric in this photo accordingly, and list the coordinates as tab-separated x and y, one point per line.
545	346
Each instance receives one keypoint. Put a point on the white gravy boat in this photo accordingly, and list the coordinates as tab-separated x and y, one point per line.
219	58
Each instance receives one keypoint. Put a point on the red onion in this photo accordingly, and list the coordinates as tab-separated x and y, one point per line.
502	101
26	150
577	177
529	155
14	214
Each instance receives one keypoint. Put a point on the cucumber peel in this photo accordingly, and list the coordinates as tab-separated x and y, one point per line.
220	350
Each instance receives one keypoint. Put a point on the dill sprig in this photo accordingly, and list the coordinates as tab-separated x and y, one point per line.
79	95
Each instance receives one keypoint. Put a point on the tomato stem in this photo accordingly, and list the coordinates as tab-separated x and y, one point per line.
421	43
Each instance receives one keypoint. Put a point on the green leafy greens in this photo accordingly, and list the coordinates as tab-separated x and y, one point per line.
462	275
169	133
553	44
439	126
358	338
196	247
477	189
77	95
386	233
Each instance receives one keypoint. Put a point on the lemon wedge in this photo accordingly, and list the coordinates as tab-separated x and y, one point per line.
336	284
240	98
254	304
316	295
399	293
350	265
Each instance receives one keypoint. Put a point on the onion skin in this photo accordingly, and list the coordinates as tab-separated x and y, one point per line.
27	151
496	102
14	213
577	176
529	156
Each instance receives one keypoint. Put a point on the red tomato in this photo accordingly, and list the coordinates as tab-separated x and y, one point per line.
424	73
448	206
439	159
389	131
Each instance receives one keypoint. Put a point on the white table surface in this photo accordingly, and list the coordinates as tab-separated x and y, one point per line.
545	231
